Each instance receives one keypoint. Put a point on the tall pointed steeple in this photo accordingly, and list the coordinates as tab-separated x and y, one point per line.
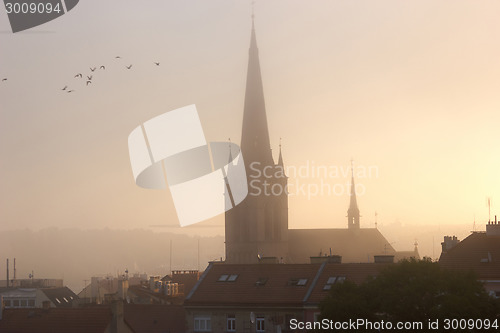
255	144
353	211
259	224
280	158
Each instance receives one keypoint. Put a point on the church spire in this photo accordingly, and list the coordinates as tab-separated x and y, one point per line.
353	211
280	158
255	144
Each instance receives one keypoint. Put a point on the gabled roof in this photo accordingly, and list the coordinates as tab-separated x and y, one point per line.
273	285
478	252
154	318
60	297
254	284
355	246
56	320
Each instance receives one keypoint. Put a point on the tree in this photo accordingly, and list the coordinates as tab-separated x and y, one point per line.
411	291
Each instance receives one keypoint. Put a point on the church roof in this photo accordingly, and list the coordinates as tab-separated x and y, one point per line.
354	245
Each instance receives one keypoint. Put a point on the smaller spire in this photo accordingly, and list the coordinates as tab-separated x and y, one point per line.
280	158
353	211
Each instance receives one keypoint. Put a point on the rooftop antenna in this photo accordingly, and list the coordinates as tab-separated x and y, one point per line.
170	257
376	224
253	7
489	210
474	225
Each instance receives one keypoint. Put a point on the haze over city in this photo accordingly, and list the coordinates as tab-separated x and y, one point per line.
408	89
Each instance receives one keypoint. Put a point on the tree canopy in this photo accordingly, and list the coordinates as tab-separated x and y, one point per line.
411	290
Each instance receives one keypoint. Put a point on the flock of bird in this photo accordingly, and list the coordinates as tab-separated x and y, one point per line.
89	77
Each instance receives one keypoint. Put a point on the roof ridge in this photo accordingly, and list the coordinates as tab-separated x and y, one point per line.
313	284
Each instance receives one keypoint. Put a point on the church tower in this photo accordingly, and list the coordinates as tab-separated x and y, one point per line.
258	226
353	211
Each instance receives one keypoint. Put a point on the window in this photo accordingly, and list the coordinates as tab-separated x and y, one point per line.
302	282
232	277
223	278
7	303
31	303
260	324
332	280
24	303
231	323
297	282
65	299
261	281
15	303
58	301
227	278
202	324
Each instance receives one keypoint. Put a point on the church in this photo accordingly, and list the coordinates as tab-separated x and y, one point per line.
257	228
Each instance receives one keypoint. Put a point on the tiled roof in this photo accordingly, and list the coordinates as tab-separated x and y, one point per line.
56	320
60	297
254	284
478	252
357	273
155	318
359	245
273	285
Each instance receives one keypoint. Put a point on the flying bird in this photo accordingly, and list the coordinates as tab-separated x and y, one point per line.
4	79
89	77
129	67
89	82
157	63
78	75
118	57
65	87
70	91
102	67
92	69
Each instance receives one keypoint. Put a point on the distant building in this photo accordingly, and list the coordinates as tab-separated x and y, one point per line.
265	297
36	298
105	289
96	319
479	252
33	283
258	226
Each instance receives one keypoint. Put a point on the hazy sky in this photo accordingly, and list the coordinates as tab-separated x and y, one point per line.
410	88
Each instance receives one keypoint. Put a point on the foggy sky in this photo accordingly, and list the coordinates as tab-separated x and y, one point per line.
409	87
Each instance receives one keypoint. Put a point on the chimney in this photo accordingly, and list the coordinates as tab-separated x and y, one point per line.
7	272
117	322
384	259
449	243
